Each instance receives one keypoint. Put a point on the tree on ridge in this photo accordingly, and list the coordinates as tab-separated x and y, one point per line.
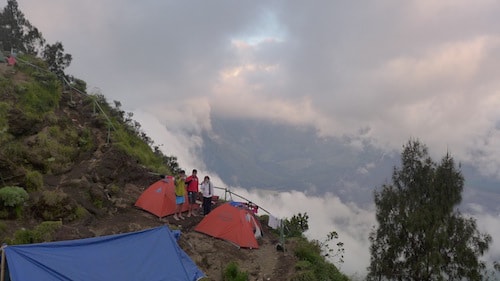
421	235
17	33
56	58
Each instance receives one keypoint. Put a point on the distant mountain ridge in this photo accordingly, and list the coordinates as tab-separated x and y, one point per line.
276	156
253	153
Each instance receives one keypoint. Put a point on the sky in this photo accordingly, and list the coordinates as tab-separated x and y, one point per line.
382	71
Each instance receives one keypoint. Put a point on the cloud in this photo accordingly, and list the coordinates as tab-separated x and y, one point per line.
172	138
393	70
421	99
489	223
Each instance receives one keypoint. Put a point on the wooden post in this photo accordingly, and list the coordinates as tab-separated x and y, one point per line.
2	273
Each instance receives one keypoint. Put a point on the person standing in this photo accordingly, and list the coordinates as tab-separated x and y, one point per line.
180	192
192	189
207	190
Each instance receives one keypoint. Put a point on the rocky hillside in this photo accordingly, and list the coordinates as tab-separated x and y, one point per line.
71	155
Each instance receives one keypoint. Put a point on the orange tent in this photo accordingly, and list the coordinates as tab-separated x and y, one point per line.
159	198
232	222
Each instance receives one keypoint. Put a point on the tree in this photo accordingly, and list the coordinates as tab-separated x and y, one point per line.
297	225
16	32
56	58
421	235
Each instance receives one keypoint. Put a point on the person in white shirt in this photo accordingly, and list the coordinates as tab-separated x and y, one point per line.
207	190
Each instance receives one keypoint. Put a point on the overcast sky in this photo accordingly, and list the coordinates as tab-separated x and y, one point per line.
388	70
384	70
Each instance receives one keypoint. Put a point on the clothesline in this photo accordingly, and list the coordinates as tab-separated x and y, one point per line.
241	197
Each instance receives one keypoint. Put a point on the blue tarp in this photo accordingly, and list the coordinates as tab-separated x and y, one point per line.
151	255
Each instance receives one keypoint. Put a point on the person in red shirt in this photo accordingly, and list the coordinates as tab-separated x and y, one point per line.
192	189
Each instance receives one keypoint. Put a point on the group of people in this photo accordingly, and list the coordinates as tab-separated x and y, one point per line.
190	185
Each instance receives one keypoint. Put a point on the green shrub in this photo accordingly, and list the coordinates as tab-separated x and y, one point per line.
12	199
34	180
79	84
12	196
233	273
54	149
22	236
81	212
53	198
85	142
114	189
41	233
45	230
13	151
55	205
98	203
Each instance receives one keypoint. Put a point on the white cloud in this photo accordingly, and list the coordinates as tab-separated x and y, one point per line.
436	97
391	69
490	224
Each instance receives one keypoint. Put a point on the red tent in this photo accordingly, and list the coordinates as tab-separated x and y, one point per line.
159	198
11	61
232	222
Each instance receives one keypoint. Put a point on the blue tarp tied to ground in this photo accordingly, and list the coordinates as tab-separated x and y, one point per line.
145	255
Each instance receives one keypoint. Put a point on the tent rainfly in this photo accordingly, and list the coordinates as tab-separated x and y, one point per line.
159	198
151	254
233	222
